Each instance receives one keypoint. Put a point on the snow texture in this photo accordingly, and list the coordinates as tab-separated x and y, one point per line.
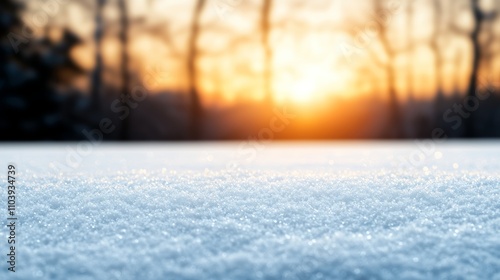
361	210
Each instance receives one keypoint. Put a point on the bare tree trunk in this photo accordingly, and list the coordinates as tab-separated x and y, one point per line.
457	59
125	75
409	65
438	60
192	58
97	73
409	117
268	54
394	127
489	49
470	130
492	30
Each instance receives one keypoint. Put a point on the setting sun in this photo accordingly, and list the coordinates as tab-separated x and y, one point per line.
363	66
310	61
303	91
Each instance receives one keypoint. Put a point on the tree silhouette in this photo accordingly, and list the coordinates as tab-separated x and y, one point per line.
124	68
409	46
195	111
409	67
394	125
268	53
96	81
33	73
438	58
490	48
479	18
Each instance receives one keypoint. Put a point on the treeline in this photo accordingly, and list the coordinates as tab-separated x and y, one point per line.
39	99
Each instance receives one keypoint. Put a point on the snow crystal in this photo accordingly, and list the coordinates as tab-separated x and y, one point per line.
241	211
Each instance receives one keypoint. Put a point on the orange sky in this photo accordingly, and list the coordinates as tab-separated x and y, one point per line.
310	42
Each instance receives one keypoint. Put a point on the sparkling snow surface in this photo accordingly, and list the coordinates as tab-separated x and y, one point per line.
356	210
